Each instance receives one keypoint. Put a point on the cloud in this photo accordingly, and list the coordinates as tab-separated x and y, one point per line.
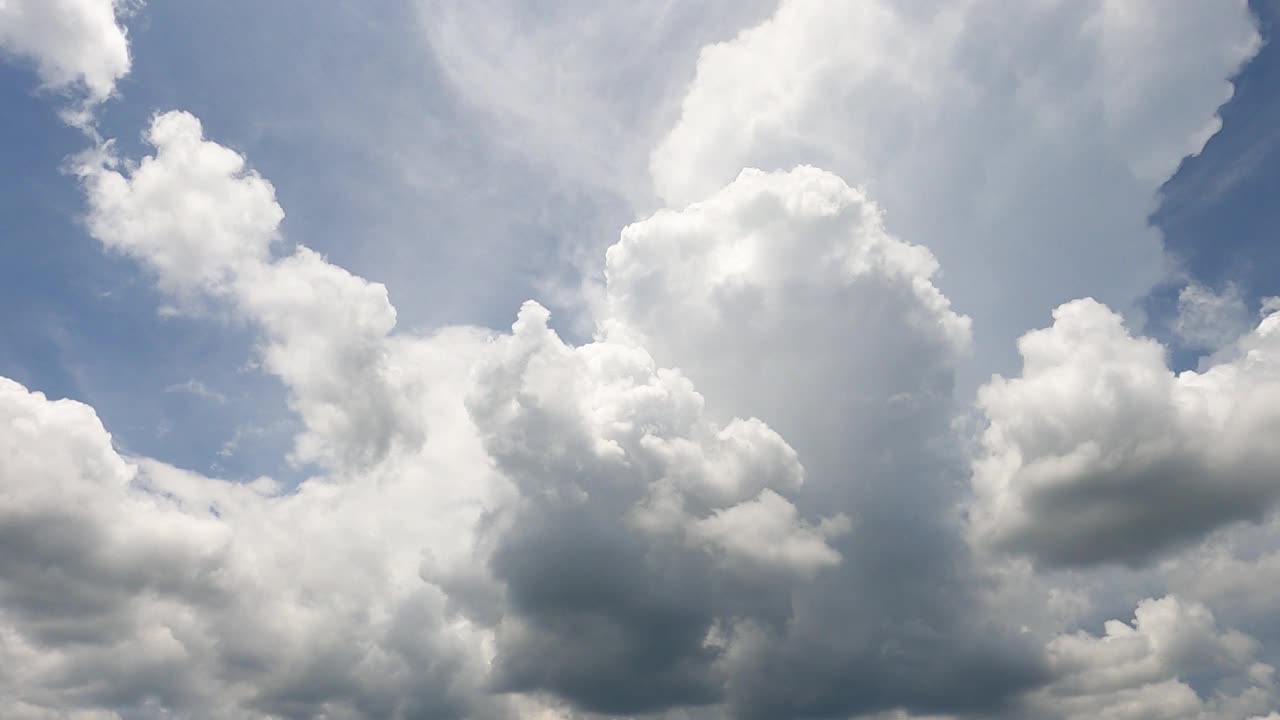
543	76
198	389
743	497
594	447
206	226
624	551
78	46
161	591
1207	320
1023	146
577	521
1171	662
784	296
192	213
1099	453
132	587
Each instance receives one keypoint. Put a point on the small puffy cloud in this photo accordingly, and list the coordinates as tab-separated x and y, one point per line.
1099	453
77	45
1207	320
193	212
1172	662
765	532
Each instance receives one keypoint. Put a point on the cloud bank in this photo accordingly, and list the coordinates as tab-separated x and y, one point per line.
758	490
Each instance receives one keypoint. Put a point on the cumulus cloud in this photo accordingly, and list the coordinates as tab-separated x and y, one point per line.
784	296
743	497
134	588
571	521
1171	662
131	587
77	45
640	526
1007	140
206	226
591	463
1099	453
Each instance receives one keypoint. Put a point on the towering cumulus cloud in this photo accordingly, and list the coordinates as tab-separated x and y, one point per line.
783	295
1006	138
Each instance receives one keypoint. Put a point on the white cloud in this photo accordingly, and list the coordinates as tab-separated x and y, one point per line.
641	524
205	224
597	434
765	532
1207	320
162	591
128	585
784	296
193	212
75	44
1145	670
1023	145
1097	452
506	524
769	292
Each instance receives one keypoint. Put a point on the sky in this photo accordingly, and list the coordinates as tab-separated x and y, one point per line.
682	360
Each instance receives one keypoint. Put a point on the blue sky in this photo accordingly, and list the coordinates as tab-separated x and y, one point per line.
752	360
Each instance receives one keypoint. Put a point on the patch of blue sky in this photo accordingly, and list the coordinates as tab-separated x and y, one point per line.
1220	213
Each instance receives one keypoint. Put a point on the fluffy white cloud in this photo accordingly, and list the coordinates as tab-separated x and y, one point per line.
505	524
1098	452
1172	662
136	588
768	294
193	212
132	587
74	43
205	225
598	438
1023	145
